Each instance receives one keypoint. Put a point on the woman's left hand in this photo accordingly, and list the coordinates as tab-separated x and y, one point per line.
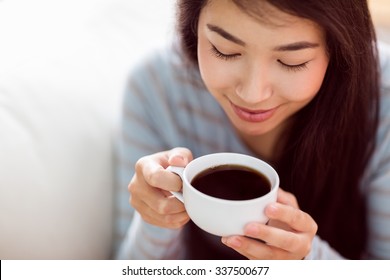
288	234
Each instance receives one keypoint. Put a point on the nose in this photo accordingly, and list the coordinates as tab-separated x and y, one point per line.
255	86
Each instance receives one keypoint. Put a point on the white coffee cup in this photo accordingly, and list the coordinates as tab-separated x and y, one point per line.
220	216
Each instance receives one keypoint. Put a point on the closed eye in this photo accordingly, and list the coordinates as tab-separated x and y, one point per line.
221	55
295	67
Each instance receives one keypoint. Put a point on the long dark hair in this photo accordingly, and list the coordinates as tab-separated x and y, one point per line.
333	137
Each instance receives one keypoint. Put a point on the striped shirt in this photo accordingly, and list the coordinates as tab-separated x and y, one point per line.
165	106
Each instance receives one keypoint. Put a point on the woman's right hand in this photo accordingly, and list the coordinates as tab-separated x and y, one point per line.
151	185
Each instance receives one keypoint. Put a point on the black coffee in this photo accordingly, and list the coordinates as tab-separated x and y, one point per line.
232	182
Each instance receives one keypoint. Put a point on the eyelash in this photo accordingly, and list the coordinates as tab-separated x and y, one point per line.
288	67
294	68
223	56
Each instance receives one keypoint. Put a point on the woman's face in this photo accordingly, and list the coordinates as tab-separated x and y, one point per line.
260	72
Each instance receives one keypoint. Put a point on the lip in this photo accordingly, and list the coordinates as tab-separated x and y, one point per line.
253	115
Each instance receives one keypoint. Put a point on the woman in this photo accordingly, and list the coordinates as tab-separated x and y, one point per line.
295	83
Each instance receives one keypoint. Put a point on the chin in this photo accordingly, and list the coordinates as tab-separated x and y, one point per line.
253	131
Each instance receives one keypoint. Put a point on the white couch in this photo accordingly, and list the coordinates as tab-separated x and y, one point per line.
63	66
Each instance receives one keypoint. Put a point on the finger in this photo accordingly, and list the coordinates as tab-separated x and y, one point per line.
155	175
160	201
157	206
294	217
296	244
164	205
179	156
167	221
253	249
287	198
156	203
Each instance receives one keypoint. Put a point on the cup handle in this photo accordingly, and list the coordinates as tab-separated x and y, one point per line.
178	171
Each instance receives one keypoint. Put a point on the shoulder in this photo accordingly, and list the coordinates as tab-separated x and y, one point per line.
164	73
156	61
164	83
165	61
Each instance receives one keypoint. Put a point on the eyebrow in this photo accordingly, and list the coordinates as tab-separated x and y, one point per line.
225	34
297	46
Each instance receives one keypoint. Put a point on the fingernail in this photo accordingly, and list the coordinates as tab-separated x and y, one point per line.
177	160
176	157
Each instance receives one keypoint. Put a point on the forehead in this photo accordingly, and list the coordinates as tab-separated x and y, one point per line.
247	17
261	10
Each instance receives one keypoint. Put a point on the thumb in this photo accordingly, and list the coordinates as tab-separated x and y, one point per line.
179	156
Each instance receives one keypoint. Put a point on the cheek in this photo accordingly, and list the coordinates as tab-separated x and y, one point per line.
306	86
215	74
